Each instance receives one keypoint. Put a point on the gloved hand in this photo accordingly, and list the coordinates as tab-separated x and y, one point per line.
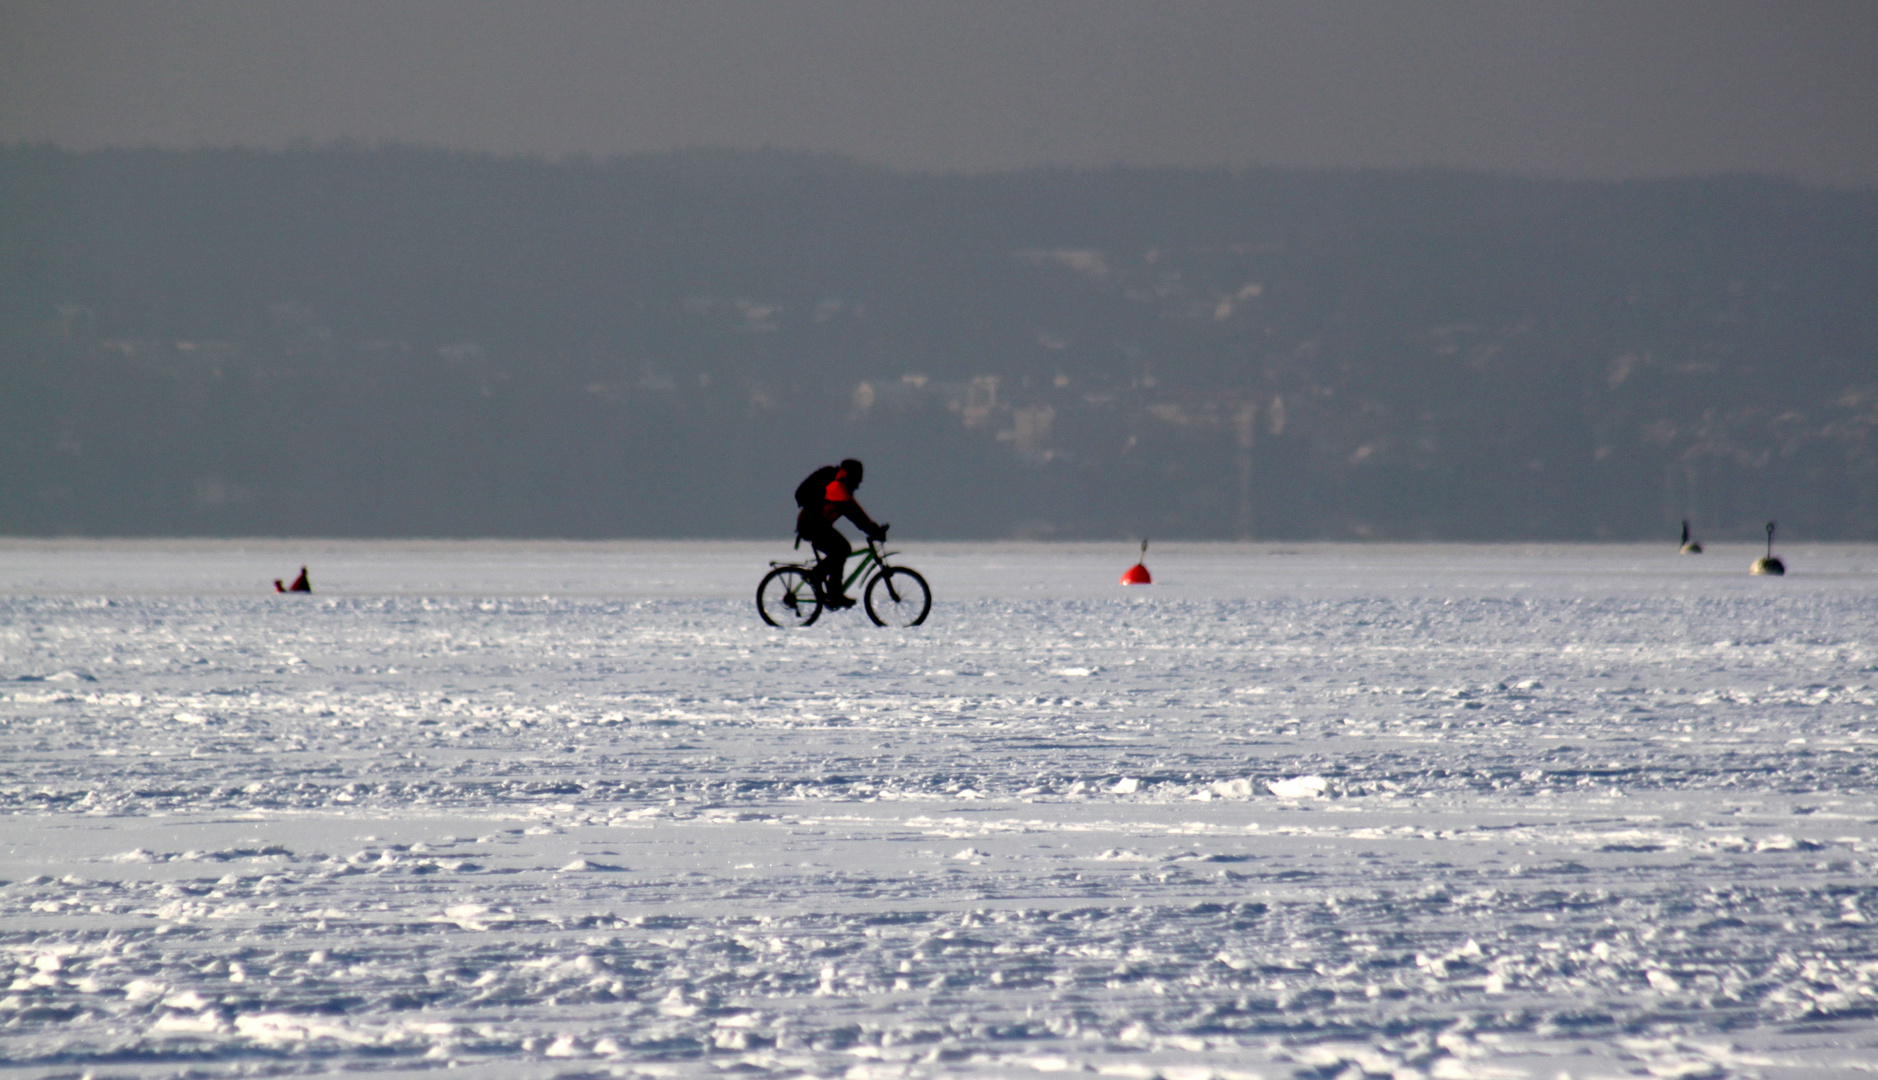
879	535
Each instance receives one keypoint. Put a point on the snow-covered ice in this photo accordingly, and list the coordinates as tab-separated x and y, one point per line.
519	810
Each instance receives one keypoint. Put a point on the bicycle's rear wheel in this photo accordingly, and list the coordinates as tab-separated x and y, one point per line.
787	597
898	597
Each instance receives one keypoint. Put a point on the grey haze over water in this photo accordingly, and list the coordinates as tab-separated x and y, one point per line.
1603	89
402	342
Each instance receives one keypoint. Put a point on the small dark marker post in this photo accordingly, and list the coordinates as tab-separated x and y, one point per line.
1768	564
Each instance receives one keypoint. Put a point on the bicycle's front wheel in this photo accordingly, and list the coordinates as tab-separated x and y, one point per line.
786	597
898	597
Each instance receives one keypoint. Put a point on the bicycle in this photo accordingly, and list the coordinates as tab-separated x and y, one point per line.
791	593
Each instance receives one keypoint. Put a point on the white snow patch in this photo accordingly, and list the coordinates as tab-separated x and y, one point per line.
1298	787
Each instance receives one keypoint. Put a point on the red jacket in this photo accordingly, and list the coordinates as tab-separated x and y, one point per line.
838	502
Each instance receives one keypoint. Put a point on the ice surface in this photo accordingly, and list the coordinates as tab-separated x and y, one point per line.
518	810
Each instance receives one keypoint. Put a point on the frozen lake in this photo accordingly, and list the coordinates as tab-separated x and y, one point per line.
517	810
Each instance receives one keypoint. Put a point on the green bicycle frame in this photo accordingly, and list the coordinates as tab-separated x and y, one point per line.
870	556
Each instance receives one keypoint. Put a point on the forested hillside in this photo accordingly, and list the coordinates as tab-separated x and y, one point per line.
403	342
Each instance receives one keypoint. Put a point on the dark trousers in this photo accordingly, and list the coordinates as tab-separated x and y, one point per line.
831	545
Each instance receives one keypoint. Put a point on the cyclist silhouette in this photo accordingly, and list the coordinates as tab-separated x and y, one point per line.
823	504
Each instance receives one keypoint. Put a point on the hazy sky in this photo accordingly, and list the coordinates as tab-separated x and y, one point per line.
1555	88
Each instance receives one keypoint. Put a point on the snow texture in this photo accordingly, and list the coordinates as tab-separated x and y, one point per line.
572	810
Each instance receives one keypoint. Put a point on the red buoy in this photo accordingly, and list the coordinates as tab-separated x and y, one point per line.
1138	573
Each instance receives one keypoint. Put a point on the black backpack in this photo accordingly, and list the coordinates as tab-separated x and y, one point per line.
812	492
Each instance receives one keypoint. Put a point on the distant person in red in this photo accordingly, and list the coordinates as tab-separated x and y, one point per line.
823	504
300	584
